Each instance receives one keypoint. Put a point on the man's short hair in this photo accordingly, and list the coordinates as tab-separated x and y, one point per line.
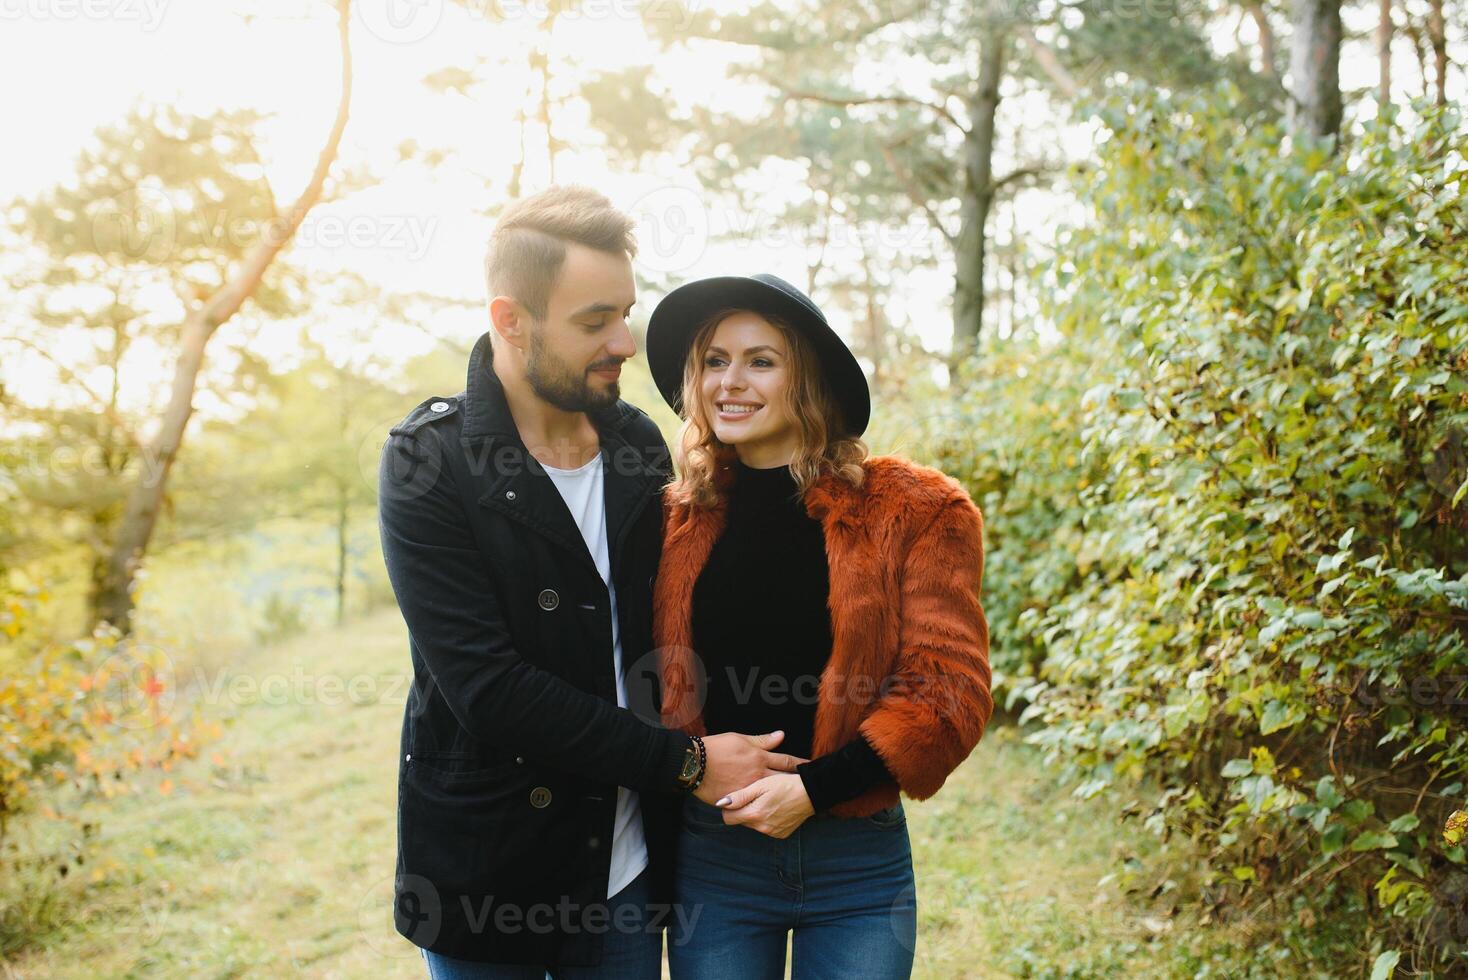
528	246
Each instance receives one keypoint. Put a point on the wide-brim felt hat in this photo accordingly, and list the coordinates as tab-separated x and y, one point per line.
670	333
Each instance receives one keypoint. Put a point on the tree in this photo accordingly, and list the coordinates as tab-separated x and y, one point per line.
149	216
1315	73
140	513
303	450
932	137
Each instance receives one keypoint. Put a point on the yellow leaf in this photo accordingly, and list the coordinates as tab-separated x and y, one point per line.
1455	827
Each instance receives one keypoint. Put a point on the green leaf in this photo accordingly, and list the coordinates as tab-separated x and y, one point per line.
1385	965
1373	840
1278	715
1406	822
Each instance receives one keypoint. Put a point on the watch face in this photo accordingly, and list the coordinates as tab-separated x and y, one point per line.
690	767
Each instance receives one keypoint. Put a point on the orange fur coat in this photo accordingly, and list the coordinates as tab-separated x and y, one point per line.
909	664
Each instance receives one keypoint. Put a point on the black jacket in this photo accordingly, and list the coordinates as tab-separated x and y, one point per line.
512	743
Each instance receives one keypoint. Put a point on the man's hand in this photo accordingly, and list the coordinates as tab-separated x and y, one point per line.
735	761
776	806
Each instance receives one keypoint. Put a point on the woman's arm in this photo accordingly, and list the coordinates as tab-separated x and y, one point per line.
937	702
843	775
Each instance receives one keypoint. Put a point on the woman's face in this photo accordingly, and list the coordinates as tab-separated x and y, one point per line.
745	377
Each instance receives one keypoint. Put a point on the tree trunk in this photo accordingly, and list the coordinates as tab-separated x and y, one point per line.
1267	56
978	198
343	512
1383	54
1315	54
113	601
876	335
1437	34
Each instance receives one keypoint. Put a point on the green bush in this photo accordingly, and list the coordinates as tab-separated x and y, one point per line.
1226	512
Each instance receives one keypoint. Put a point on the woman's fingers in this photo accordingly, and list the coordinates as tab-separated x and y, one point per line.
742	797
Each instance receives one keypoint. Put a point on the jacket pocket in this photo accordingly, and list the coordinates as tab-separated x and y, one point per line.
461	828
460	765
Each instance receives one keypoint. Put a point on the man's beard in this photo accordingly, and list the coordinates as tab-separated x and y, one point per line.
553	380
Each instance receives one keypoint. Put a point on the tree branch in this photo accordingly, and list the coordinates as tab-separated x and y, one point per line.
847	101
1059	76
911	189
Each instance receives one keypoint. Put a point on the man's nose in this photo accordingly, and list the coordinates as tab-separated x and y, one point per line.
622	343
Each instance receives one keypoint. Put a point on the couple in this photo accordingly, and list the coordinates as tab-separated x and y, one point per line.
810	615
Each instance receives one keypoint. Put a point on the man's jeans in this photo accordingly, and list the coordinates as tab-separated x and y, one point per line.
627	953
843	887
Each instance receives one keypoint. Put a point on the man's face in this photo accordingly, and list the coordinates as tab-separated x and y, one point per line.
576	353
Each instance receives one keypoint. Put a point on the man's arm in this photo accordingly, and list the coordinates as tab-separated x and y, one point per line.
449	603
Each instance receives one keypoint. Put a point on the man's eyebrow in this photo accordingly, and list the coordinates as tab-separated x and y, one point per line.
599	308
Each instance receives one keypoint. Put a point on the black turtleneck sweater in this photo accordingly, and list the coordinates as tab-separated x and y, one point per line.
762	626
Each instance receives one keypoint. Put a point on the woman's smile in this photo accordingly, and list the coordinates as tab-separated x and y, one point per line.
731	411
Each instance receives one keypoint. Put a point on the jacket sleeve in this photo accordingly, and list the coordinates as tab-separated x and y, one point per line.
448	600
934	707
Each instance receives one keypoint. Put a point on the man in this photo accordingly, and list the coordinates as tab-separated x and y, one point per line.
521	526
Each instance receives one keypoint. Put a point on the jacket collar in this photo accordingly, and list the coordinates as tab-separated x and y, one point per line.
831	500
514	483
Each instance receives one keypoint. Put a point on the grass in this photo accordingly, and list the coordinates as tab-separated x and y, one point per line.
272	855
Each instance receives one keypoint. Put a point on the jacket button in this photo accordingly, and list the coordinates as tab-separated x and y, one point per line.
540	797
548	599
519	760
509	495
594	843
440	406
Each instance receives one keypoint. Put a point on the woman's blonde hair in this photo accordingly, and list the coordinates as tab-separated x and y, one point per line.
820	449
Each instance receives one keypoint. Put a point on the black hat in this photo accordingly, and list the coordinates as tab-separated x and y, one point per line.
670	333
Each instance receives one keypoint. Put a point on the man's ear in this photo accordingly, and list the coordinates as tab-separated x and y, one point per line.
510	321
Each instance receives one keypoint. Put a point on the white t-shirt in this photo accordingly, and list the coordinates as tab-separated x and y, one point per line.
583	490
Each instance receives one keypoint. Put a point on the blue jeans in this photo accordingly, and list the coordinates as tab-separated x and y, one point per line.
627	953
844	887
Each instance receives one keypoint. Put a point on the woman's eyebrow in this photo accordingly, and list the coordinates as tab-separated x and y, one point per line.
749	350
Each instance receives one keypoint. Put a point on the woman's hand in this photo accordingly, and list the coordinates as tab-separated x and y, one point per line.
775	805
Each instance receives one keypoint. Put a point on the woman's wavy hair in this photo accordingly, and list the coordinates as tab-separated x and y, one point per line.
822	447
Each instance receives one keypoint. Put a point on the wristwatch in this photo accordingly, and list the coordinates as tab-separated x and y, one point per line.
695	761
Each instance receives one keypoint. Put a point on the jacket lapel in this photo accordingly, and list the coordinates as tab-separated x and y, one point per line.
864	620
518	487
513	482
859	620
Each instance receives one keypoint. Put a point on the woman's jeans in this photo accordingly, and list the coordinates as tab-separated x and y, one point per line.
844	886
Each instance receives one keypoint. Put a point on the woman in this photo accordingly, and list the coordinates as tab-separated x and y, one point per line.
808	588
